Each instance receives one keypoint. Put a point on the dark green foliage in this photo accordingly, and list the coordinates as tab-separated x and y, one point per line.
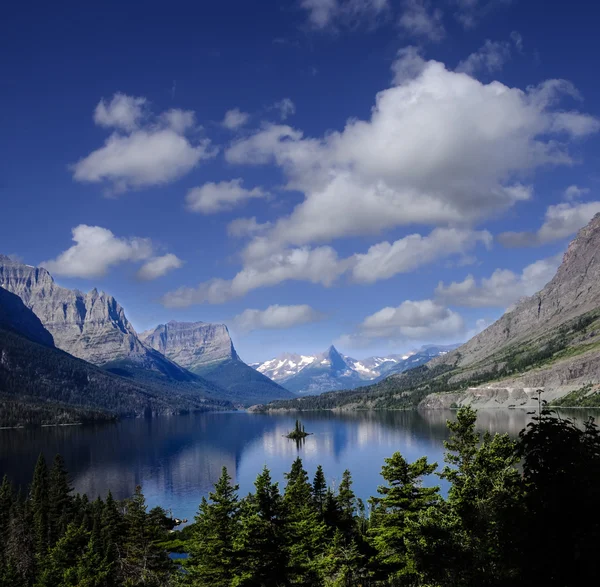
50	538
503	523
298	432
213	558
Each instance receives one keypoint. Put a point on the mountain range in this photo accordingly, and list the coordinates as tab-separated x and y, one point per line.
549	341
93	327
330	370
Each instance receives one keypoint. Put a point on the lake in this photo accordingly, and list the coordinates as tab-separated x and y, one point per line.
178	459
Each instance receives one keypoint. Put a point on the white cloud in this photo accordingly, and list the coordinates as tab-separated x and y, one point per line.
158	266
277	317
136	156
490	58
95	250
235	118
440	148
560	221
502	288
574	192
265	266
325	14
286	108
418	320
122	112
386	259
420	19
242	227
218	197
320	265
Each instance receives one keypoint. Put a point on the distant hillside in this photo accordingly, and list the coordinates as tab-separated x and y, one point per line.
39	382
549	341
207	351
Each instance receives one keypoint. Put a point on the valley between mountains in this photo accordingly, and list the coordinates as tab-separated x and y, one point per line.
71	356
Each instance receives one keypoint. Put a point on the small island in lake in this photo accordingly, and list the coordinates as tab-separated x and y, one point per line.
298	432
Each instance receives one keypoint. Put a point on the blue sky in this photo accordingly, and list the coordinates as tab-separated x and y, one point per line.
374	173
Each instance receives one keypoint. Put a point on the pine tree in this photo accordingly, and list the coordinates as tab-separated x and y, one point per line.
213	560
260	542
319	489
143	562
60	500
347	505
401	499
39	500
20	547
305	532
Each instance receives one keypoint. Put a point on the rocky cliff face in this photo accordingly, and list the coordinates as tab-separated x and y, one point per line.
574	291
207	350
193	345
91	326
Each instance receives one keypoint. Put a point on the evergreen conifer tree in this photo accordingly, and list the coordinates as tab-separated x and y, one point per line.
305	532
39	501
260	543
401	499
213	560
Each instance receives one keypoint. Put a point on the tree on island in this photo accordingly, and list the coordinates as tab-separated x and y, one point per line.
298	432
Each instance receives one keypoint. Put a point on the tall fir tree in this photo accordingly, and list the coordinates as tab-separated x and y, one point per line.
401	499
39	501
319	489
260	546
60	500
213	558
305	532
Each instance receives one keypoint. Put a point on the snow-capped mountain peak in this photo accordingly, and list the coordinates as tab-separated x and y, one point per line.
331	370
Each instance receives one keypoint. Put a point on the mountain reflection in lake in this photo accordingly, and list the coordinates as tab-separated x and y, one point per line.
178	459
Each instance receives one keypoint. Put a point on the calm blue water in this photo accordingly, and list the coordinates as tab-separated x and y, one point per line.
178	459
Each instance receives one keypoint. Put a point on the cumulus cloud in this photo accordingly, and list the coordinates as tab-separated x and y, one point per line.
243	227
277	317
490	58
560	221
574	192
386	259
418	320
158	266
218	197
323	14
95	250
235	118
143	150
440	148
420	19
320	265
502	288
123	112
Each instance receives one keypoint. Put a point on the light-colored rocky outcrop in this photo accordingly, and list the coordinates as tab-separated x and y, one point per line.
574	290
91	326
192	345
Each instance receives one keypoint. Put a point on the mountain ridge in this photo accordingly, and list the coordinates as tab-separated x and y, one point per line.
330	370
206	349
549	341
